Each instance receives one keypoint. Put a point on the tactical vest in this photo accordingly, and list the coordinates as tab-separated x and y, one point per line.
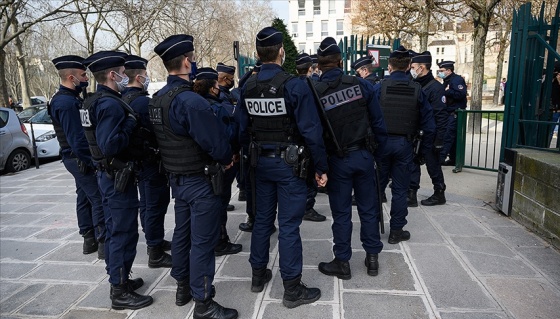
346	109
270	121
179	154
399	103
143	138
60	136
130	153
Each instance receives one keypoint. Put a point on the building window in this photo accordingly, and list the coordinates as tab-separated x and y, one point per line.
348	6
301	47
324	28
309	29
294	30
339	27
316	46
316	7
437	50
301	7
331	7
442	50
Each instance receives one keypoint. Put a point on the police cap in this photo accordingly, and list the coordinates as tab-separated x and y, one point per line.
424	57
206	74
174	46
314	58
302	59
268	37
257	67
365	60
104	60
401	52
134	62
68	62
328	47
222	68
446	64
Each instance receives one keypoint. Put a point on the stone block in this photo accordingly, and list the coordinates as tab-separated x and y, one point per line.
518	236
473	315
71	252
526	298
98	298
21	219
54	301
55	233
164	306
459	224
528	208
95	314
552	222
486	245
15	270
21	297
492	218
8	288
237	266
498	265
237	295
529	186
518	181
546	259
244	239
24	250
422	231
366	306
316	230
68	272
316	251
19	232
275	310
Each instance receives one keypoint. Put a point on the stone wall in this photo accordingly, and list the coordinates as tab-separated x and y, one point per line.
536	196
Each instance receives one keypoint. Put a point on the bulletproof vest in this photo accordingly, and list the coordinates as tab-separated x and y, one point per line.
179	154
143	138
60	136
399	103
130	153
270	121
346	109
373	79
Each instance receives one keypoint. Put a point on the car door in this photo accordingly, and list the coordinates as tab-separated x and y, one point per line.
6	139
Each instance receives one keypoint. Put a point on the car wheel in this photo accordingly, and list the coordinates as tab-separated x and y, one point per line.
18	161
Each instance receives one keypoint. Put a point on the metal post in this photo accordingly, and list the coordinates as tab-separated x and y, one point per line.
461	140
35	155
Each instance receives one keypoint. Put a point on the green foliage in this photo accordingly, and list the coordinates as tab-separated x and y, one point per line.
289	46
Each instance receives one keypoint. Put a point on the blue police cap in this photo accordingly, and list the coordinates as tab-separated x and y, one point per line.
365	60
104	60
446	64
134	62
328	47
175	45
68	62
269	36
401	52
257	67
206	74
314	58
424	57
303	58
229	69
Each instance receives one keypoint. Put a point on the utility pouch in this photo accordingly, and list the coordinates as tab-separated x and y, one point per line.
83	167
122	177
292	155
253	154
303	166
216	174
371	144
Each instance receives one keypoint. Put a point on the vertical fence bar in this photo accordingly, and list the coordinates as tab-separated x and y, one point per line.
461	141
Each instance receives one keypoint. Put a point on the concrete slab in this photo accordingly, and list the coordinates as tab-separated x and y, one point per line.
369	306
526	298
459	224
491	217
9	288
164	306
94	314
71	252
15	270
472	315
424	231
98	298
486	245
54	301
17	232
498	265
21	297
546	259
275	310
316	251
519	236
79	272
245	299
236	266
55	233
315	230
24	250
22	219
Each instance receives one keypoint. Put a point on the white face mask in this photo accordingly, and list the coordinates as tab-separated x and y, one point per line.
414	73
146	82
121	85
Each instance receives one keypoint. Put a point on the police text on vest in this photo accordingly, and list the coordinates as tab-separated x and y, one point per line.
266	107
341	97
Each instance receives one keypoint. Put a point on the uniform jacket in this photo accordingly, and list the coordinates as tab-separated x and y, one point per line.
435	93
455	92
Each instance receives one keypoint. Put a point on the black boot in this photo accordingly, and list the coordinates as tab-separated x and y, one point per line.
166	245
101	250
260	278
354	203
133	284
337	267
242	197
159	258
438	198
247	226
396	236
225	247
312	215
372	264
230	208
90	244
183	294
296	293
209	309
123	298
412	201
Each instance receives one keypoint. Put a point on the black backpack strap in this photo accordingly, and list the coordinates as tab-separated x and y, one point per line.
130	97
432	82
279	79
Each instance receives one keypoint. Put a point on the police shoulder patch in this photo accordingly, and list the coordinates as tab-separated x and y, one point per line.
460	87
443	99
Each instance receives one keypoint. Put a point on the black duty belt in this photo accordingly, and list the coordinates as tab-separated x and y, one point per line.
272	153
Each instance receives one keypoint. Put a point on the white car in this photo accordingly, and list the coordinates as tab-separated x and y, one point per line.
45	137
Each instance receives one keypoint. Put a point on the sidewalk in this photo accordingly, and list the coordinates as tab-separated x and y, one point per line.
464	260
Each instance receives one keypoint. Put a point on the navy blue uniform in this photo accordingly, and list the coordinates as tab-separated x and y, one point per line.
276	185
152	185
456	98
396	159
113	131
355	170
435	94
197	209
65	110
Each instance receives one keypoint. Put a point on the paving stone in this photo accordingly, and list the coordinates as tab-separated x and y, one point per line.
546	259
232	225
8	288
59	220
164	303
71	252
55	233
15	270
19	232
54	301
472	315
275	310
394	273
21	219
236	266
498	265
316	230
357	243
24	250
487	245
526	298
21	297
167	282
421	230
51	198
5	218
99	297
94	314
518	236
244	301
245	239
151	277
455	224
10	207
447	281
67	272
492	218
370	306
316	251
310	276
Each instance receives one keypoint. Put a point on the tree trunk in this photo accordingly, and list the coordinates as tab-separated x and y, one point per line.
499	71
3	83
22	69
479	42
424	30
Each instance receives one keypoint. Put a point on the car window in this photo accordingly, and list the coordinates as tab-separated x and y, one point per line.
42	117
3	118
27	112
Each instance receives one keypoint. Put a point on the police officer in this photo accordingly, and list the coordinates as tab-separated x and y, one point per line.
108	124
284	128
406	111
315	72
303	68
206	84
152	185
364	69
64	110
357	124
455	98
420	70
191	141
